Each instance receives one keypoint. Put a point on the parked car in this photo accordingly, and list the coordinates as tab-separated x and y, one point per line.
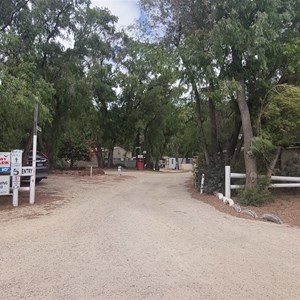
42	166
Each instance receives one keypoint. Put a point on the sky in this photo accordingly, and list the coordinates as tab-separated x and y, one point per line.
126	10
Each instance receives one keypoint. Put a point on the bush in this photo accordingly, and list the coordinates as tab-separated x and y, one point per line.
256	196
74	150
214	178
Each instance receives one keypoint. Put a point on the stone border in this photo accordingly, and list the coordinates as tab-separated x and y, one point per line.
227	201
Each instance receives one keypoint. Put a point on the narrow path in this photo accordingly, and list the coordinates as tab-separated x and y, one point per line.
144	238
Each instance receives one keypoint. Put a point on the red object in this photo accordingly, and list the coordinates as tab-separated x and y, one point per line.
140	165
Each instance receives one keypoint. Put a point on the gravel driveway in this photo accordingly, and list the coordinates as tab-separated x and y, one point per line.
142	236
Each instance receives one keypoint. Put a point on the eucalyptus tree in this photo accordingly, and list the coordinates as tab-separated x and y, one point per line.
187	26
52	46
95	42
71	39
148	95
231	50
247	42
21	85
10	10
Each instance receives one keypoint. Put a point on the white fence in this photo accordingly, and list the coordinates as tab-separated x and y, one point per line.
289	181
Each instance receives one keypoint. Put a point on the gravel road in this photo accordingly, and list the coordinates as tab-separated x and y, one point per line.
142	236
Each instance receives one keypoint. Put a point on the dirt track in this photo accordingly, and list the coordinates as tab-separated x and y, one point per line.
141	236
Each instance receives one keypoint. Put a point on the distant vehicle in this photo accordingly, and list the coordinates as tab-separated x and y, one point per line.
42	166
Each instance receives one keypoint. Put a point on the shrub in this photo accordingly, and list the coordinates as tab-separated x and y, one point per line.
256	196
74	150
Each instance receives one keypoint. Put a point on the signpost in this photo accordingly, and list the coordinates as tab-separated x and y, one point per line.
16	170
4	168
11	162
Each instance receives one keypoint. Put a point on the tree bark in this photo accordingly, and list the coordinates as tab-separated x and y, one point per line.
27	148
249	158
213	130
273	163
99	156
199	122
110	157
72	162
237	151
233	145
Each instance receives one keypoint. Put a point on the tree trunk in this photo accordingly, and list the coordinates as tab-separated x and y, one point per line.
201	136
72	162
237	151
110	157
233	143
273	163
213	130
99	156
27	148
250	161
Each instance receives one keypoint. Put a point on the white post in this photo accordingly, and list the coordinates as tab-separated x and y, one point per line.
91	171
202	183
119	170
15	172
34	145
227	182
15	197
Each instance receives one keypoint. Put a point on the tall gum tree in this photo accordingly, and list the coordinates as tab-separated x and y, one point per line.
247	39
187	26
244	41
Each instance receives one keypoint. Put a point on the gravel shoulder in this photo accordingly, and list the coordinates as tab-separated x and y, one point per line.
140	236
285	204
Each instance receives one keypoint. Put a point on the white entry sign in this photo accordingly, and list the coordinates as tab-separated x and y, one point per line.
27	171
4	185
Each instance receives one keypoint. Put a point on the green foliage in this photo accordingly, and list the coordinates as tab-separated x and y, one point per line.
280	119
120	91
264	151
291	51
256	196
292	167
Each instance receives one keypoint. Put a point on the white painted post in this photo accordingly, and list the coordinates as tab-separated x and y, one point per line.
202	183
119	170
34	145
16	170
227	182
15	197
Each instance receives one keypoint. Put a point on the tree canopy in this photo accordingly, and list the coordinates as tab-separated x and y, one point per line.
216	78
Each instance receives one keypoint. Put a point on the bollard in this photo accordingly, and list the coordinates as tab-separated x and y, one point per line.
227	182
119	170
202	183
